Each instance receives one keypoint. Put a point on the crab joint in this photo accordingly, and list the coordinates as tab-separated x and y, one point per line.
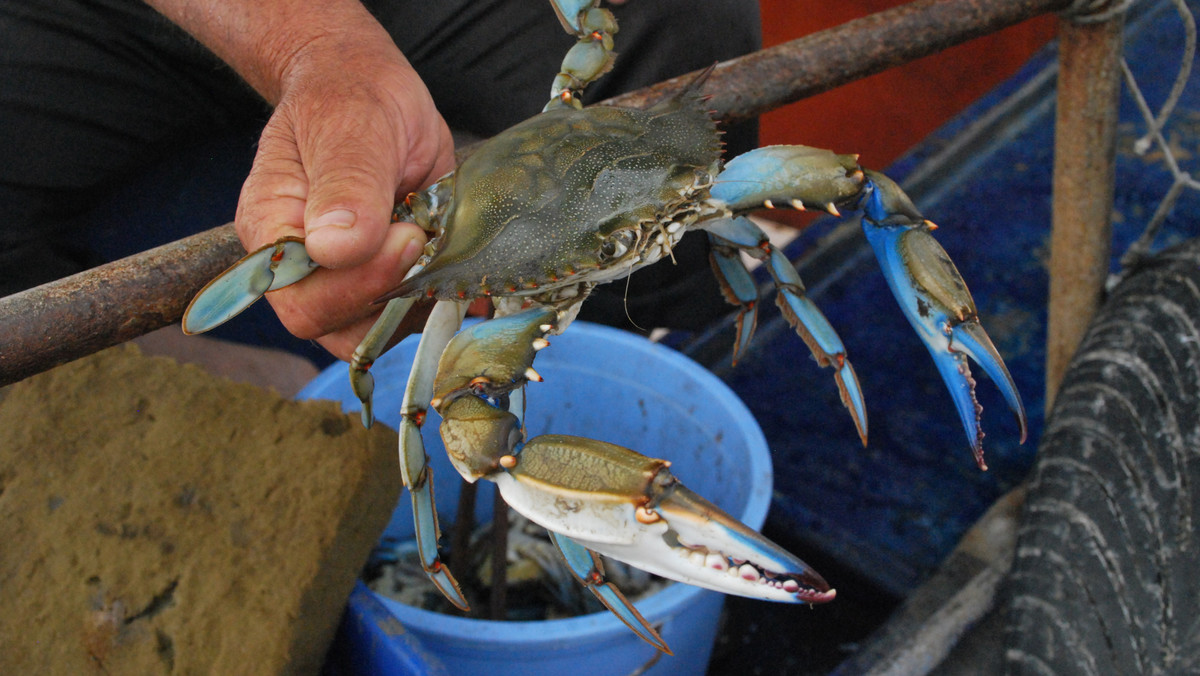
645	515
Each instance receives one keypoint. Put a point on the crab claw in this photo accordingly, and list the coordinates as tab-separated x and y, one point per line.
625	505
595	497
936	302
274	266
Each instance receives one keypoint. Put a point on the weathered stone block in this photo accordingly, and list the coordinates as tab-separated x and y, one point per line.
156	519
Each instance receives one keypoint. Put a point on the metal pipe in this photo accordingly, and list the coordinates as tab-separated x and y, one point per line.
1089	84
757	83
67	319
63	320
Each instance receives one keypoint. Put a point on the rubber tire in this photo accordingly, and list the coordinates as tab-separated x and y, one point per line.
1106	578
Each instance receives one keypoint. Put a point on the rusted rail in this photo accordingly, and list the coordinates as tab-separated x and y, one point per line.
765	80
73	317
64	320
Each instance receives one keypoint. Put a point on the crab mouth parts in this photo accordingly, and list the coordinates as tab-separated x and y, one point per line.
804	586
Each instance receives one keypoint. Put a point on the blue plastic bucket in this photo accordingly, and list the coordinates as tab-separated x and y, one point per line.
609	385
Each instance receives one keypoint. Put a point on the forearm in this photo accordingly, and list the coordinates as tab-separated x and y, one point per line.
269	43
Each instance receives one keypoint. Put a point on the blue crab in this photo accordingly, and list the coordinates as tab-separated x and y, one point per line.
575	197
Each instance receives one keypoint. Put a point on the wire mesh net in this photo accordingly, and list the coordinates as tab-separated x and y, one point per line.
1154	138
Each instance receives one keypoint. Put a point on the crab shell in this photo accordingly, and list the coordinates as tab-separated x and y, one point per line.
569	196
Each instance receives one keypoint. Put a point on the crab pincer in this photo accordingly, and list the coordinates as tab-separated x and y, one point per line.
936	302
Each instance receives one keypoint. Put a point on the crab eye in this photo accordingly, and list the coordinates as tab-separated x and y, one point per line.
617	245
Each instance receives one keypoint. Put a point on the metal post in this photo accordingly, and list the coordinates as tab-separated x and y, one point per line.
1089	83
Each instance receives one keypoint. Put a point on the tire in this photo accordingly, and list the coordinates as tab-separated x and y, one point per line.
1106	578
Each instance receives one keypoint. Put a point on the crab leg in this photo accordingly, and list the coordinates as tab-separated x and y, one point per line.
374	344
591	57
443	321
739	233
589	570
274	266
936	302
286	261
739	289
603	497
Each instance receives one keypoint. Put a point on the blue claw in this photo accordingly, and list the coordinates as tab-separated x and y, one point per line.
587	568
631	508
272	267
936	302
970	338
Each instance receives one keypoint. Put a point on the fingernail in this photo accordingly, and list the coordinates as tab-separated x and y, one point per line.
338	218
411	252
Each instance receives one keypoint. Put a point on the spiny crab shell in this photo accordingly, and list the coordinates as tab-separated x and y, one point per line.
567	197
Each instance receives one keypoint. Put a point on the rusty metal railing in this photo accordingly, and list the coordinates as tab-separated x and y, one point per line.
70	318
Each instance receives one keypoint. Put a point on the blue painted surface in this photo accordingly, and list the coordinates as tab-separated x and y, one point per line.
893	510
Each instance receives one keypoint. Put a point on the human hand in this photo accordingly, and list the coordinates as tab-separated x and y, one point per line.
351	133
353	129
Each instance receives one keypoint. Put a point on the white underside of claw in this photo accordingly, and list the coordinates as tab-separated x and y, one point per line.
695	548
701	567
581	517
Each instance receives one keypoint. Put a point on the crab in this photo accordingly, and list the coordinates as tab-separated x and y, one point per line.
578	196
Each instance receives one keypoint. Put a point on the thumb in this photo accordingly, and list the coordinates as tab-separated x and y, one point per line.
350	158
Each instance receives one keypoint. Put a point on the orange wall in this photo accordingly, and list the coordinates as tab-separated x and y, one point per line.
885	114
